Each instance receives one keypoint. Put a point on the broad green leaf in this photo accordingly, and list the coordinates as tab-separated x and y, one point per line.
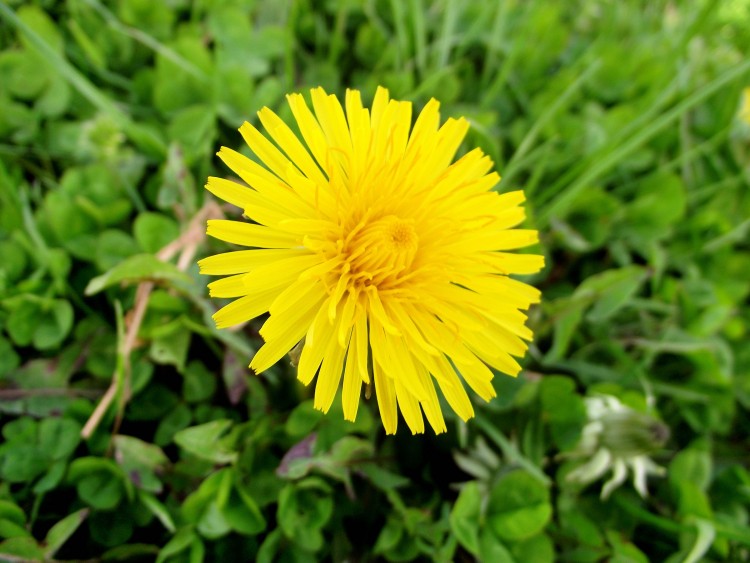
25	549
177	419
140	461
10	529
12	512
112	248
660	203
564	408
138	268
491	548
198	384
465	517
242	513
62	530
303	509
204	441
157	509
692	464
101	490
613	289
172	348
518	507
537	548
180	542
154	231
59	437
53	324
302	420
112	527
9	359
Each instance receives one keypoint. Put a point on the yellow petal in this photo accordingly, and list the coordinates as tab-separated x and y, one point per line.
409	407
281	333
232	286
329	376
291	145
242	310
386	396
316	343
243	261
247	234
352	385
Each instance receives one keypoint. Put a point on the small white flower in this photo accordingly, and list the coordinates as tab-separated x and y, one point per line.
617	438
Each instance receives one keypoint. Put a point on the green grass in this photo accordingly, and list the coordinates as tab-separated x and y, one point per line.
620	121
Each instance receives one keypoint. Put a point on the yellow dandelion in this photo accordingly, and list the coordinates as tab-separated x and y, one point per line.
384	258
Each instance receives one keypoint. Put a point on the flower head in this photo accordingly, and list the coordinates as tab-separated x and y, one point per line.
617	438
385	258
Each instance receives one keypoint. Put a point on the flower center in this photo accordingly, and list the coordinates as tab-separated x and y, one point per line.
379	251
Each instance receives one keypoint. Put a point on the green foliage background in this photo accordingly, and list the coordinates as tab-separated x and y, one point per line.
619	119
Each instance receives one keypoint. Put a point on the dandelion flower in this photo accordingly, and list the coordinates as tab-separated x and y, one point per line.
384	260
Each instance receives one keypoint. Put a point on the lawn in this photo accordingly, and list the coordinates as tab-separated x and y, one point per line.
134	430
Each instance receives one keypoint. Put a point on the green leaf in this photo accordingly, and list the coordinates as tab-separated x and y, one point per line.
692	501
566	324
564	409
692	464
25	549
100	482
22	463
59	437
180	542
102	491
52	478
538	549
154	231
171	348
518	507
62	530
198	384
140	461
14	261
9	360
12	512
157	509
112	247
194	129
492	549
138	268
465	517
175	86
177	419
612	289
242	513
304	508
204	441
213	524
9	529
303	420
660	203
53	325
21	323
111	528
